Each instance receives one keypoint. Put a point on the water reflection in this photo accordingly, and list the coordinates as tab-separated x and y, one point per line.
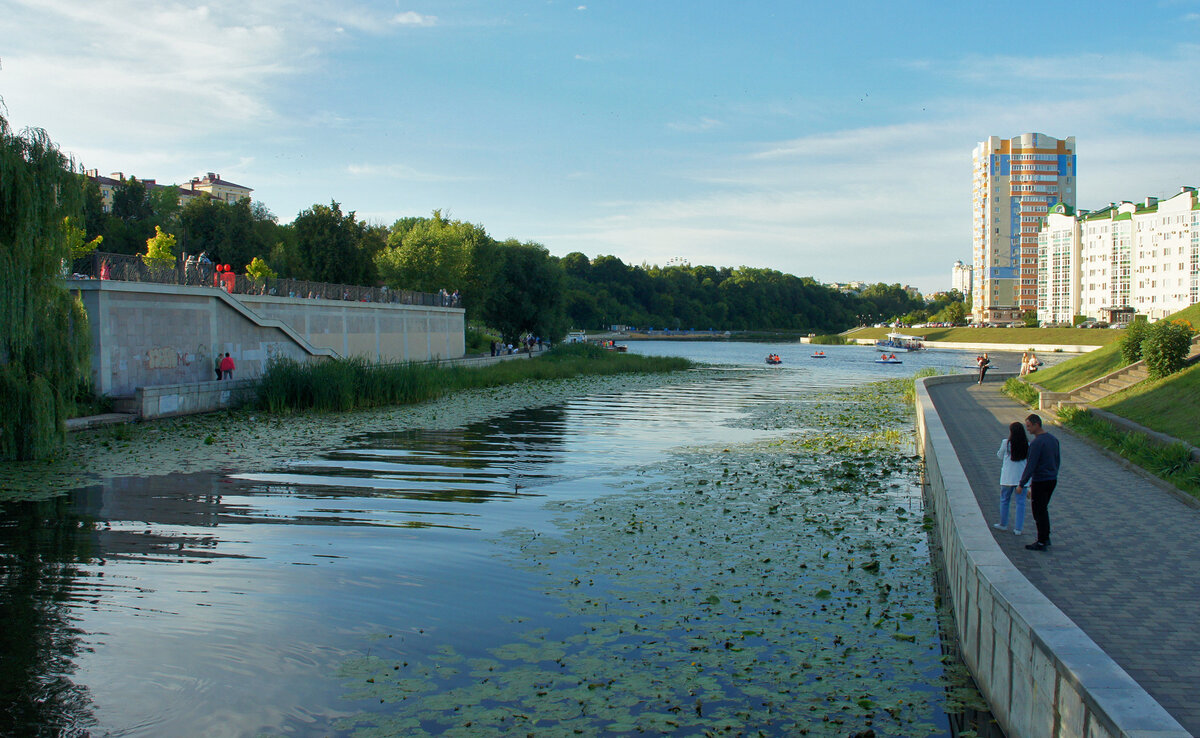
40	544
223	604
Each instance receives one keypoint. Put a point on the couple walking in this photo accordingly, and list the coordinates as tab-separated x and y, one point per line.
1032	466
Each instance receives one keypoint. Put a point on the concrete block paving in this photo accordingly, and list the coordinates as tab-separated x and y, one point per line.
1125	559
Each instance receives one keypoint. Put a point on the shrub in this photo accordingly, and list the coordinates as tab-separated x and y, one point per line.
1021	391
1165	346
1131	342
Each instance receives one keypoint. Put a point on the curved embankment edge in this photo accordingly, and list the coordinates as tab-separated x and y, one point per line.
1041	674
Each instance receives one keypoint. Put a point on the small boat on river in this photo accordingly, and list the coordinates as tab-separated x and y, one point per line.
900	342
888	360
819	355
774	359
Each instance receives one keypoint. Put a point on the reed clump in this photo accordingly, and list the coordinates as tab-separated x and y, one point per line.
349	384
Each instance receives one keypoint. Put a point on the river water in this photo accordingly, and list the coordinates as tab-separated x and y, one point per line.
688	558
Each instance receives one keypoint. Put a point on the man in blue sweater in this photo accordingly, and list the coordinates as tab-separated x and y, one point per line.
1041	474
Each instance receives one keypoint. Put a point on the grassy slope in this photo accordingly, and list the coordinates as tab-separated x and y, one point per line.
1170	405
1021	337
1080	370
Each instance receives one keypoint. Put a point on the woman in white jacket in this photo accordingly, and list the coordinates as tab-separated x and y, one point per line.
1012	453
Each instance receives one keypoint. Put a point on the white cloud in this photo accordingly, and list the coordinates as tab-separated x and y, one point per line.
400	172
413	19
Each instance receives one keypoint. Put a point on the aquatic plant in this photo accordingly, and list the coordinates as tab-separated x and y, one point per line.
782	586
347	384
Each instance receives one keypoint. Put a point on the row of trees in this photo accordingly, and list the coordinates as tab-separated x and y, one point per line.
511	286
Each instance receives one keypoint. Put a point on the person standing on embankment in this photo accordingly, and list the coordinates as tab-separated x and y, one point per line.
1041	477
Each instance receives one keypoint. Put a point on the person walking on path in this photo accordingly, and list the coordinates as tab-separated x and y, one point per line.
1041	475
984	364
1012	452
227	367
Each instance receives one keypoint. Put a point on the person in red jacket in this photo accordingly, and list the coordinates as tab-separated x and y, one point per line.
227	367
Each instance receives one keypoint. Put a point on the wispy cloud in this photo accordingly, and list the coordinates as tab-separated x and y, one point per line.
400	172
697	126
411	18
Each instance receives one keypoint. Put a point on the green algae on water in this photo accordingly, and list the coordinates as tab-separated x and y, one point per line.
780	587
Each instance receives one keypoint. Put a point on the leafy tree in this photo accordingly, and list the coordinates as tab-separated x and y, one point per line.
431	254
328	244
44	341
160	250
1166	346
527	294
258	270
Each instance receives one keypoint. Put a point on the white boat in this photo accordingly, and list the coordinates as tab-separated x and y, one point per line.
900	342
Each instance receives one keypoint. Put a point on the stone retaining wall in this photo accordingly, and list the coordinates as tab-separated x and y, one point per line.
1041	674
147	335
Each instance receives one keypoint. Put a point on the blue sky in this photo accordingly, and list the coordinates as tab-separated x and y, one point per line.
830	140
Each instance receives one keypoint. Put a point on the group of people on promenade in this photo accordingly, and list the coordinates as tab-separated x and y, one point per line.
1028	466
1029	363
527	343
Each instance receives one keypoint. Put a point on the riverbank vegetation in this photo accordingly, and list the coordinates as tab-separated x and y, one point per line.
44	341
350	384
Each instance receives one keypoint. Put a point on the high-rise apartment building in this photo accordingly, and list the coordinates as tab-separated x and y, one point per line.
960	278
1016	183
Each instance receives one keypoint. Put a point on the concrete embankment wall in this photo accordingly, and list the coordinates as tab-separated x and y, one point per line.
1041	674
190	398
149	335
1040	348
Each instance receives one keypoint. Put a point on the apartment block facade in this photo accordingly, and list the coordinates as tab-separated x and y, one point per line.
211	183
1016	182
1120	260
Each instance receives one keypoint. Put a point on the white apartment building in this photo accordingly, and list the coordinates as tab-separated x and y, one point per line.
960	278
1015	184
1123	259
1106	236
1058	266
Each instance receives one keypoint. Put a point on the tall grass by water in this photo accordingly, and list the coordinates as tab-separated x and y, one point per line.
350	384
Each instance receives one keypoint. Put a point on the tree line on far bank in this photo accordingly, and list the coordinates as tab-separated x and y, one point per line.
509	286
49	212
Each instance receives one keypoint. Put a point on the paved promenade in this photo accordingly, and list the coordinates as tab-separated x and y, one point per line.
1125	560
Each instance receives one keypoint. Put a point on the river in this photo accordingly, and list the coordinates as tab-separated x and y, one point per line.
742	551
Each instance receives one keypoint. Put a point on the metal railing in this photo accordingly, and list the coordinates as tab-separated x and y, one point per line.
126	268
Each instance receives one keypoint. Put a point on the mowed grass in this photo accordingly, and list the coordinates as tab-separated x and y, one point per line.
1080	370
1020	337
1088	367
1170	405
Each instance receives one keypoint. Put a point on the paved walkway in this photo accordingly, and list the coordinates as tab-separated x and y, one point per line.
1125	564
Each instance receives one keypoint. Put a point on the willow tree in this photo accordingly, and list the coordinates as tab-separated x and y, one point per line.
44	341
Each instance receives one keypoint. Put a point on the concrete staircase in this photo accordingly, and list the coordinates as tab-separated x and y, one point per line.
1122	378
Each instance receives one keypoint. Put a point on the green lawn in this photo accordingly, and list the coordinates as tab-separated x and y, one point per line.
1170	405
1020	337
1080	370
